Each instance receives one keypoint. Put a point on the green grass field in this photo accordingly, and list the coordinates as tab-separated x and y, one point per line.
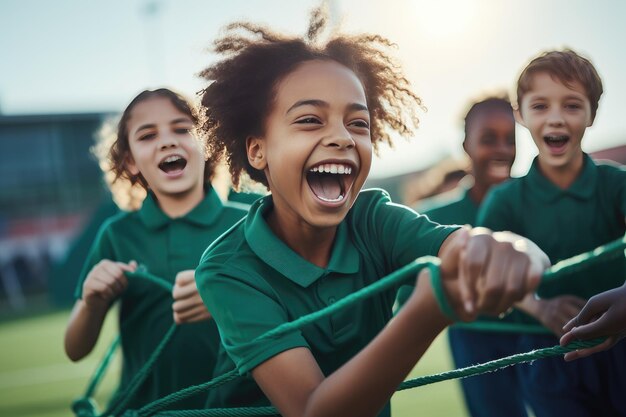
37	380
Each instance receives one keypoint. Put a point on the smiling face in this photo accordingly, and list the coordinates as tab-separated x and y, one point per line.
164	150
557	116
490	144
316	151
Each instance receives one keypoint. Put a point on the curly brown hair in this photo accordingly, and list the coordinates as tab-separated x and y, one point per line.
243	85
113	151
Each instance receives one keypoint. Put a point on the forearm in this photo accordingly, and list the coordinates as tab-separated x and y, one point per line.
530	305
83	330
364	384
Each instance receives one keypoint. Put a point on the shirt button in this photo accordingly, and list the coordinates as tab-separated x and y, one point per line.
331	300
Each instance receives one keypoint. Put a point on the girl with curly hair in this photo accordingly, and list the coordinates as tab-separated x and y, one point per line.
303	117
156	156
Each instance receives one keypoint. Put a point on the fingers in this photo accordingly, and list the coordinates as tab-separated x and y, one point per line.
190	310
475	260
185	277
581	353
587	313
185	285
105	281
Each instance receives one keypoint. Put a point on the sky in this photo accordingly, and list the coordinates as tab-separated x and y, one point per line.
74	56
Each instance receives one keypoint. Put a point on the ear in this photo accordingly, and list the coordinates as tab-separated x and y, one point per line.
518	117
255	148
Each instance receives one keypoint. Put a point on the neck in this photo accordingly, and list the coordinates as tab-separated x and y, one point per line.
478	191
175	206
562	176
313	244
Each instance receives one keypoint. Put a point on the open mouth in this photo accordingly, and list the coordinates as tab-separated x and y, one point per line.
499	168
556	142
330	182
173	164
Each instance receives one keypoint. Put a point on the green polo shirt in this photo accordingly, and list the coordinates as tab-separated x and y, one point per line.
253	282
457	207
566	222
164	246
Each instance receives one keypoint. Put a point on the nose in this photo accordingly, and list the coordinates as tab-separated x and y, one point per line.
168	140
555	117
505	147
339	137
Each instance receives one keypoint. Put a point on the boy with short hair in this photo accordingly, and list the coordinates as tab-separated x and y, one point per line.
567	205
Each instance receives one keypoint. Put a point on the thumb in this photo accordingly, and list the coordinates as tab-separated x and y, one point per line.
452	257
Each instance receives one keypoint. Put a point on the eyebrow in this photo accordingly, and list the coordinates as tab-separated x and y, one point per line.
173	122
322	103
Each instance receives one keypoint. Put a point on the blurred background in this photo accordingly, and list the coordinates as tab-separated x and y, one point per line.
68	65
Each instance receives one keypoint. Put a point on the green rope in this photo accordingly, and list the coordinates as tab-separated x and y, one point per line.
143	273
123	398
611	250
100	371
501	326
469	371
440	293
85	406
153	407
551	274
498	364
219	412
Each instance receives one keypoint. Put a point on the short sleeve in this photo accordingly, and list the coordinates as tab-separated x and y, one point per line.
244	307
102	248
399	232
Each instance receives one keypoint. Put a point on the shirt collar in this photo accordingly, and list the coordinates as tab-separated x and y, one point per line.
204	214
582	188
274	252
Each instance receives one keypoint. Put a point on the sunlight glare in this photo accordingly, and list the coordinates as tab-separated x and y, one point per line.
445	18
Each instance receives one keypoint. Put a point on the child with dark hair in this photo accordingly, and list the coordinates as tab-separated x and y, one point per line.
489	142
567	204
302	117
156	151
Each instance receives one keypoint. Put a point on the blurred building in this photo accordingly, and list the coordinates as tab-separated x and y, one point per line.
49	185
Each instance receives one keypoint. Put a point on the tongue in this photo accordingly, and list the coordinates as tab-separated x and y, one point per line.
175	166
326	186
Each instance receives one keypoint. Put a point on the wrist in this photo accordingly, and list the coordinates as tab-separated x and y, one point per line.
95	307
424	302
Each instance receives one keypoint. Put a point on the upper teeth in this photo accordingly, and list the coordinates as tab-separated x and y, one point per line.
333	168
172	158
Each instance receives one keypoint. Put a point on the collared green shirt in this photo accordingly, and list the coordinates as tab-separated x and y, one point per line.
459	208
252	282
564	223
164	246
